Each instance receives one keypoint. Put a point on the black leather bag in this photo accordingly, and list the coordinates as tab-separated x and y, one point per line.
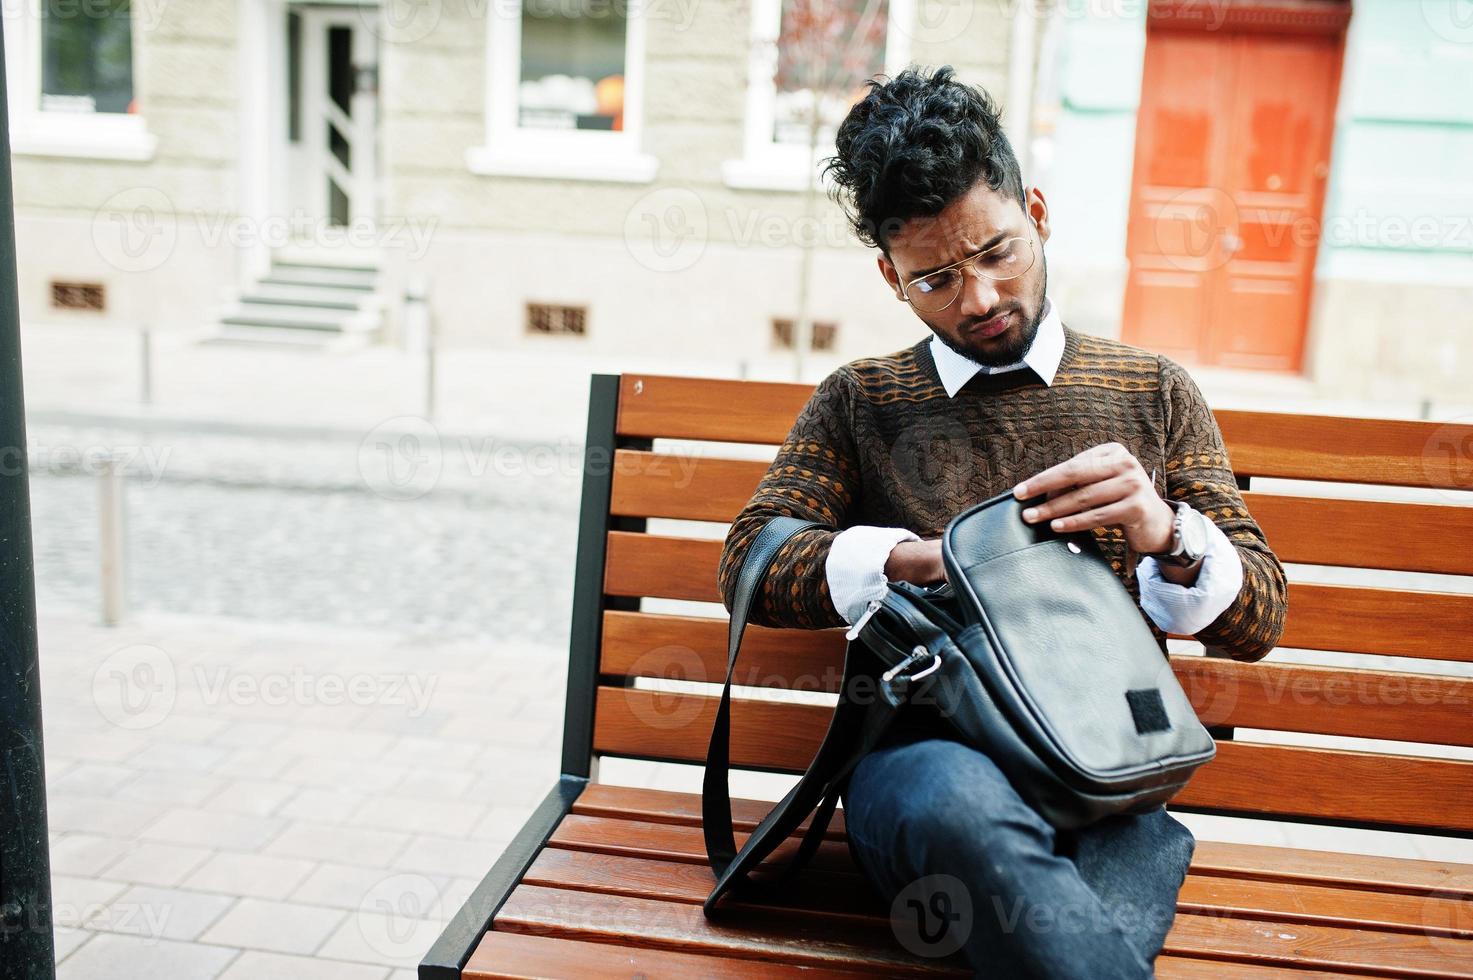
1033	652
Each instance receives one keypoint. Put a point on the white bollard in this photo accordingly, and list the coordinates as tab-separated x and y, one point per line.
145	367
111	539
419	334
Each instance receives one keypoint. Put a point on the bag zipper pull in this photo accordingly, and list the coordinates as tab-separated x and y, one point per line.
854	631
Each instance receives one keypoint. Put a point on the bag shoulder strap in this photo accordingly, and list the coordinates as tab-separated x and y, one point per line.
854	729
716	788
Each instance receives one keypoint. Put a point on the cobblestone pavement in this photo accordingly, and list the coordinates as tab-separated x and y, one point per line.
305	530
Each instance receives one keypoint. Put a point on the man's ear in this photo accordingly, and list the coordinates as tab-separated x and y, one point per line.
1038	212
892	277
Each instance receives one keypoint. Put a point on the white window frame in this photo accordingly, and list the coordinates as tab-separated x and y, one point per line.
36	132
512	151
770	165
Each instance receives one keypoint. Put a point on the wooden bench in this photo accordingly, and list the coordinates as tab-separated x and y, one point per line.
608	881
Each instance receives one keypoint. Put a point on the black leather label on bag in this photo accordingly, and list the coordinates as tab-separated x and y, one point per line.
1148	710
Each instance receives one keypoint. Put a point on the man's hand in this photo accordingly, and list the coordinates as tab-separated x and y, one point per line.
917	562
1102	487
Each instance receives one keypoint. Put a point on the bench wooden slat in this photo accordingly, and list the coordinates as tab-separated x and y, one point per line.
1345	450
743	932
1213	856
662	566
716	409
1260	861
1173	967
663	806
1365	533
670	567
832	941
1311	530
1371	872
1324	905
1269	942
1273	444
1429	625
811	892
694	648
1335	785
526	956
1391	622
1394	705
1428	708
685	487
1245	777
826	893
675	842
1308	530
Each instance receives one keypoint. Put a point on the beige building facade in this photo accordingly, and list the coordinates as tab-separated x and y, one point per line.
681	231
608	176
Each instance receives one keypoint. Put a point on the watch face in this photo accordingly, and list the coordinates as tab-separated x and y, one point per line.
1194	534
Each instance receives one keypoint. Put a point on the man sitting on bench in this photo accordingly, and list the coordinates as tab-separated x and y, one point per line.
1001	394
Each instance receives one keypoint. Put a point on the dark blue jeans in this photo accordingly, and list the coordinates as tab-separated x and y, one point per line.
965	863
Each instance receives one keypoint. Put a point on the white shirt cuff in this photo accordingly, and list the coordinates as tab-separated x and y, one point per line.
855	567
1186	610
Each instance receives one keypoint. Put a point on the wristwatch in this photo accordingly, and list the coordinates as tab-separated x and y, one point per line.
1188	537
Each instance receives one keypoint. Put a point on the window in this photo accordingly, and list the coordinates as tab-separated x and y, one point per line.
87	56
572	73
794	63
811	68
563	92
70	72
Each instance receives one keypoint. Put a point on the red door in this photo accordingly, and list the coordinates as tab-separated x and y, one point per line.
1231	159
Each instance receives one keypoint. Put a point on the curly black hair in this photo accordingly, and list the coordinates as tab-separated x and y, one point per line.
912	146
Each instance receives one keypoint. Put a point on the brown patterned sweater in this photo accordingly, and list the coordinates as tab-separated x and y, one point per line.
880	443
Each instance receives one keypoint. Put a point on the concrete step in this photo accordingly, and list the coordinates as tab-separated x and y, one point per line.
253	314
316	297
334	257
360	279
259	336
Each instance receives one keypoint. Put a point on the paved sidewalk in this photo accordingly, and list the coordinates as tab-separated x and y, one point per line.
93	374
232	799
89	374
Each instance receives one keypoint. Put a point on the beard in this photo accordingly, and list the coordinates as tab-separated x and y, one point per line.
1010	346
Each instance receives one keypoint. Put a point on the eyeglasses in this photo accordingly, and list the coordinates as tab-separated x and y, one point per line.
935	292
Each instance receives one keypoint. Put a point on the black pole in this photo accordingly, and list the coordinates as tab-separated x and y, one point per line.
26	946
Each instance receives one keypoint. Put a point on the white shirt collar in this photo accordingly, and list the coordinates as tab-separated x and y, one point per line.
1043	357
